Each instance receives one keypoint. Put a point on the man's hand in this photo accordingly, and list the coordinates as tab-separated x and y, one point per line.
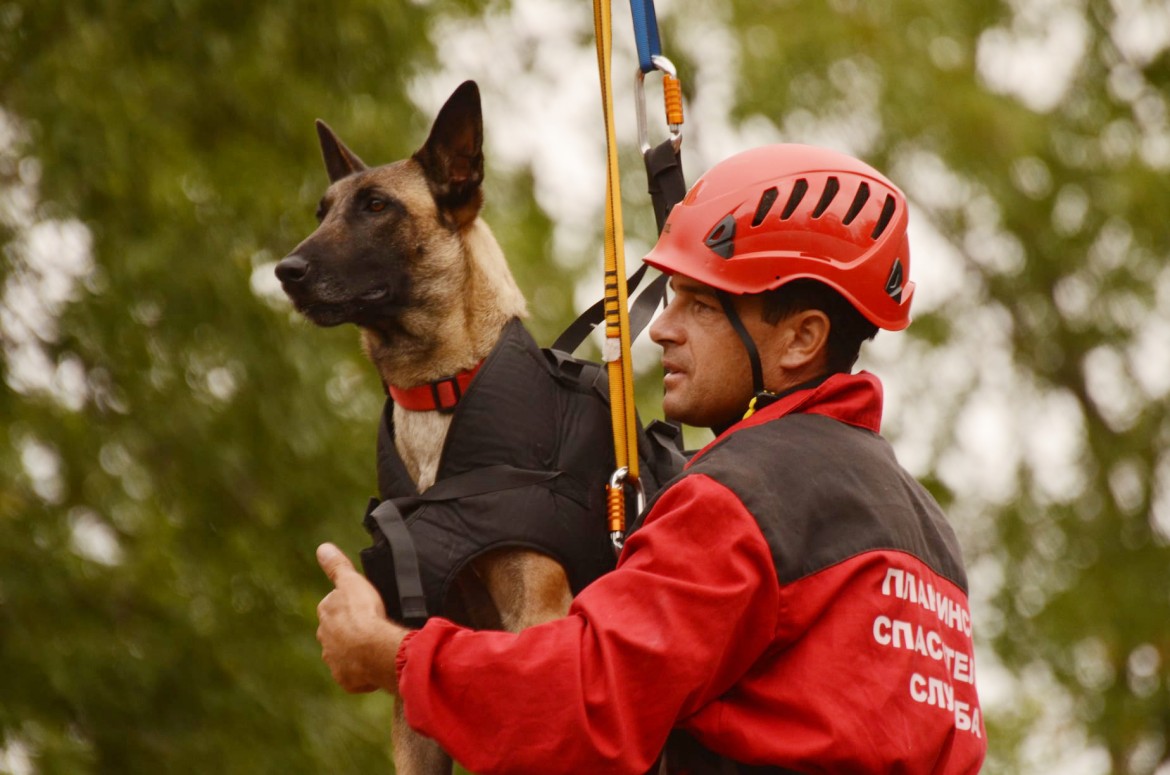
358	642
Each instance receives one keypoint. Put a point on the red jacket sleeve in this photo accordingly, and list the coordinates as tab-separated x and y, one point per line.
691	606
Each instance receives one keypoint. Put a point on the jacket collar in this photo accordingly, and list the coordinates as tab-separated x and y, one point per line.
854	399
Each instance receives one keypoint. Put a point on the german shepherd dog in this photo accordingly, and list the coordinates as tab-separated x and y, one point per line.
400	251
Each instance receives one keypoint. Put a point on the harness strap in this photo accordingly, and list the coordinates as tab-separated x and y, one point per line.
404	570
478	481
643	308
664	174
442	394
402	575
641	311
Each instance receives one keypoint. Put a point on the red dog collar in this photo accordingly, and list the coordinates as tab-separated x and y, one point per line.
442	394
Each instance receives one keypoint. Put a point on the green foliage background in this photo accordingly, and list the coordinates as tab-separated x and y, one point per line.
217	439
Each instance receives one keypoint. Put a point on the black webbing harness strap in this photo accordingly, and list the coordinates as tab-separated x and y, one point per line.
400	582
664	173
667	187
641	311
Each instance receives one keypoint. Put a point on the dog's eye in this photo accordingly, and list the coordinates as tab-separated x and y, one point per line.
376	205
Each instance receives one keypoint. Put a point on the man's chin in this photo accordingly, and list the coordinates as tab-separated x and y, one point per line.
676	409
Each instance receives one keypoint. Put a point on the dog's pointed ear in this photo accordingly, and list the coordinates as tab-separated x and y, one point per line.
339	160
452	156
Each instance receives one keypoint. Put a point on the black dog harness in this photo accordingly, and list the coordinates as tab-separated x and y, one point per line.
525	464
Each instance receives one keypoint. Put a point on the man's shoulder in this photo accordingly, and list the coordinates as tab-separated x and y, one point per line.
823	490
793	440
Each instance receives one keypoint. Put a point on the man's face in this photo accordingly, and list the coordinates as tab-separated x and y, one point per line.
708	380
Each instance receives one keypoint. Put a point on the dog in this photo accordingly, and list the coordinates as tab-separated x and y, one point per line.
401	252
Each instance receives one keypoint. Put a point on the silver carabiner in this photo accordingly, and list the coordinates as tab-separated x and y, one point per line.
665	66
618	481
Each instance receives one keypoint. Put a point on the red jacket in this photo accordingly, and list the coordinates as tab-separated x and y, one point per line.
788	636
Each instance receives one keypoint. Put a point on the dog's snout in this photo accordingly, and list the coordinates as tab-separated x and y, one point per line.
292	269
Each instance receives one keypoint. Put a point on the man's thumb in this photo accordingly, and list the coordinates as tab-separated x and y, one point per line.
333	561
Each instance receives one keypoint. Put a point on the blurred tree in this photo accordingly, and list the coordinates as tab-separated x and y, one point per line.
178	441
174	446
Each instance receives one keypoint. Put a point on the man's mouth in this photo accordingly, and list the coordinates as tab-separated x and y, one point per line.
672	374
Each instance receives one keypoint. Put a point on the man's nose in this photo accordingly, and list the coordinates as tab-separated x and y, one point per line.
665	327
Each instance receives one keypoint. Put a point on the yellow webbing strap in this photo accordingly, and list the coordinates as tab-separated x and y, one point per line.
617	334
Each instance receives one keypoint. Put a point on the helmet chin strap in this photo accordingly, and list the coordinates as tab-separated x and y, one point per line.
761	397
749	345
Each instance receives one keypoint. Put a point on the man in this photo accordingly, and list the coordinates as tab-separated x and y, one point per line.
794	601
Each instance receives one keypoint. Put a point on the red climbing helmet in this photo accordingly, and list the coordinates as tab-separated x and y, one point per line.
767	216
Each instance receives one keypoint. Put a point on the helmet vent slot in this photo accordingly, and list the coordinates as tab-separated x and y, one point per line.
832	186
766	201
798	191
884	220
859	201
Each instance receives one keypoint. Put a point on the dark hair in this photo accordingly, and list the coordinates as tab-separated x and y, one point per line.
848	328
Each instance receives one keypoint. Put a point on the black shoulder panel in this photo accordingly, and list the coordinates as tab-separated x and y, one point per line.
823	491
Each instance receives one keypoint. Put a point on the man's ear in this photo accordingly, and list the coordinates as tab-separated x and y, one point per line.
806	339
339	160
452	156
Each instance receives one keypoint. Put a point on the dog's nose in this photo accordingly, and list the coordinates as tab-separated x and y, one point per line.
292	269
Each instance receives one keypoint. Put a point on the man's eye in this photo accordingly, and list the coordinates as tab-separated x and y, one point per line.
704	305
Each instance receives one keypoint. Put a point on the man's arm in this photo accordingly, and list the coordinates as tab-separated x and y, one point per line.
690	608
358	642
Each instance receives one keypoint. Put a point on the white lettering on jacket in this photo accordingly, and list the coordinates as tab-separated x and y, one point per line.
903	585
940	667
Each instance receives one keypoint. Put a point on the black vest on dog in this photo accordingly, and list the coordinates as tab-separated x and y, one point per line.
525	464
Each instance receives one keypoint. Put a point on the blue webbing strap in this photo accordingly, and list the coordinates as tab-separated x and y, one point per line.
645	33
